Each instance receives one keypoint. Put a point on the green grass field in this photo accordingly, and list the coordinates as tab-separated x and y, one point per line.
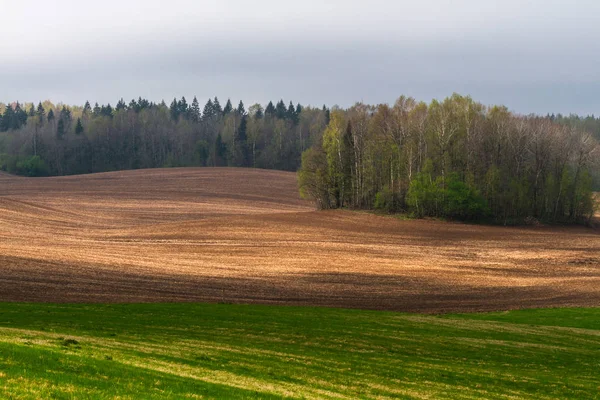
172	351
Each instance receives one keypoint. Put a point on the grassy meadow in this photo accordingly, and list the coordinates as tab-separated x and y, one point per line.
192	351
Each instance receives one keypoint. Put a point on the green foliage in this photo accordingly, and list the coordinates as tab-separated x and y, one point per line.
142	134
157	351
462	201
30	166
335	145
425	194
313	178
583	204
171	161
450	198
387	200
459	159
453	158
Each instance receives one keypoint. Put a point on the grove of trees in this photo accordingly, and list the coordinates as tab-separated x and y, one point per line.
454	158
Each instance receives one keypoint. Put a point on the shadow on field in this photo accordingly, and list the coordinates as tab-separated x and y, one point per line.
32	280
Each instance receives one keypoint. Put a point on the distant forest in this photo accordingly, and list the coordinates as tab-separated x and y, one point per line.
454	158
62	140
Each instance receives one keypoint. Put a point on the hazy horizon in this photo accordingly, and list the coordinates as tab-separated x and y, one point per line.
537	57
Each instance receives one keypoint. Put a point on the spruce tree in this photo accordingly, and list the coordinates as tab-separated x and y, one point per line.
270	110
327	114
174	109
280	110
107	111
41	113
79	127
60	129
195	110
217	106
65	114
209	110
50	115
87	108
241	109
121	105
20	117
133	105
291	112
183	107
32	111
7	118
143	104
228	107
220	151
97	110
259	112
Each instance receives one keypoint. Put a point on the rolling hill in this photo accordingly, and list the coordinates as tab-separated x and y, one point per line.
245	236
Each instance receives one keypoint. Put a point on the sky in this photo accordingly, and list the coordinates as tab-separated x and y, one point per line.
533	56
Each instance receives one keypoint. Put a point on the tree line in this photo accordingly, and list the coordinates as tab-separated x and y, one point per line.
50	139
454	158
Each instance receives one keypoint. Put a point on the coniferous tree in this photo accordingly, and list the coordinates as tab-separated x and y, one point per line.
7	118
280	110
121	105
64	120
41	113
79	127
60	128
65	114
97	110
87	108
270	110
182	107
291	114
259	112
327	114
50	115
220	152
133	105
32	111
20	117
209	110
217	107
144	104
241	110
195	110
174	109
107	111
228	107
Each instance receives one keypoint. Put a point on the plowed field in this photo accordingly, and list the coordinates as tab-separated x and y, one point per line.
243	235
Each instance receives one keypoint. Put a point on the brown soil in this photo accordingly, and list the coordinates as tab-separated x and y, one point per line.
243	235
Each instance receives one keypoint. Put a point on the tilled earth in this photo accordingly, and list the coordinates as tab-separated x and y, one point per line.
243	235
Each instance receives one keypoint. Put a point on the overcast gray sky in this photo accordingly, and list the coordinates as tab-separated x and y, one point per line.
533	56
